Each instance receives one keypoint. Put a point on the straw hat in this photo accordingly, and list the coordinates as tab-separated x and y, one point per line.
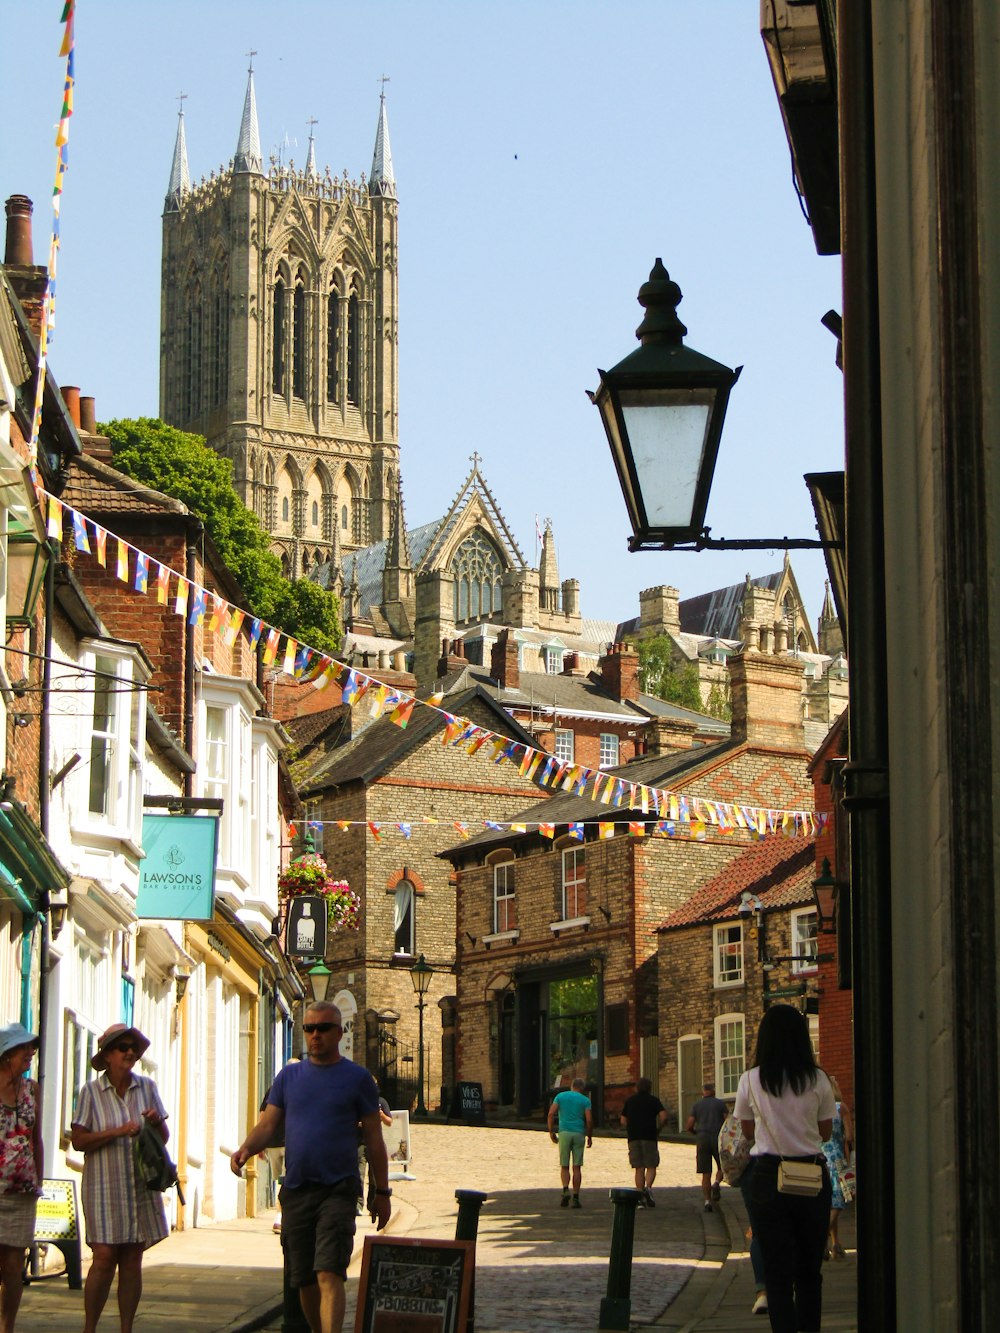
115	1033
14	1035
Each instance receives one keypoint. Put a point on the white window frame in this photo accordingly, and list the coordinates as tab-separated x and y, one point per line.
610	751
553	661
731	1064
504	893
574	882
803	943
402	935
726	945
565	745
238	700
125	738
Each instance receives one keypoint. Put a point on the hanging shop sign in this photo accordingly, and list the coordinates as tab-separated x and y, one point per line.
305	930
177	875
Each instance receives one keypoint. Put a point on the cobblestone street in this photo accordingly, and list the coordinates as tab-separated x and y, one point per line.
540	1267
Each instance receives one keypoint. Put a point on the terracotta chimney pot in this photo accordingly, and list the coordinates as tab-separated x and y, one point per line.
71	397
19	253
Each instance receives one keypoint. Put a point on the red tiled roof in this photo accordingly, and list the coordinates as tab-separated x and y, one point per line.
778	870
93	486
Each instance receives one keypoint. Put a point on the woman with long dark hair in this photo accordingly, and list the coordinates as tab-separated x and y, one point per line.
786	1105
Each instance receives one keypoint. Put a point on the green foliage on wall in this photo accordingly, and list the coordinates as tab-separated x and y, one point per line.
660	673
184	467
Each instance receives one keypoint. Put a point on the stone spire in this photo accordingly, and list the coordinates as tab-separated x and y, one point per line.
397	552
382	181
180	177
548	569
830	637
311	171
248	156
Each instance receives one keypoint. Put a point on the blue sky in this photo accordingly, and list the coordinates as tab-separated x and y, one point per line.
545	154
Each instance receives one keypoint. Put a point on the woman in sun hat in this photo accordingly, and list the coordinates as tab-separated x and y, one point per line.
123	1217
21	1167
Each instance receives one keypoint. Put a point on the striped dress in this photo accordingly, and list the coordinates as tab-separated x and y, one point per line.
119	1210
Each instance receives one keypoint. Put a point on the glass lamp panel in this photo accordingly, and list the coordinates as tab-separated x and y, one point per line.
667	431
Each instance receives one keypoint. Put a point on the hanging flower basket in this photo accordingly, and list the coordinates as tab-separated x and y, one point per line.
310	874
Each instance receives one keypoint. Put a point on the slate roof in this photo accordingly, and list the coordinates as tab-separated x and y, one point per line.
367	755
717	614
95	487
677	713
370	561
779	871
306	730
580	696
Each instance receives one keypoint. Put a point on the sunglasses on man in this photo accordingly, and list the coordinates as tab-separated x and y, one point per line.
320	1027
124	1047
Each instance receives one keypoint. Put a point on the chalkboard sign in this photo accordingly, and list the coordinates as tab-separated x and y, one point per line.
415	1286
468	1105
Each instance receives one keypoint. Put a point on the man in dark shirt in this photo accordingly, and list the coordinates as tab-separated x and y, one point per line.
643	1117
704	1122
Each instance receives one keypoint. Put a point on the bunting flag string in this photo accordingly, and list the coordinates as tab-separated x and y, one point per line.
66	48
672	814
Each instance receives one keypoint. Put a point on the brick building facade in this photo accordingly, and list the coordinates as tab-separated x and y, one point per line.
557	952
744	939
390	779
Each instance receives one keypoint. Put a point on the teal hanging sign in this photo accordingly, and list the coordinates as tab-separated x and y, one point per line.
177	875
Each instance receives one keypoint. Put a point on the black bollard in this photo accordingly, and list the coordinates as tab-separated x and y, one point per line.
469	1204
467	1228
616	1308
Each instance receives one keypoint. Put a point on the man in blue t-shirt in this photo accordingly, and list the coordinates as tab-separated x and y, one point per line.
320	1102
570	1120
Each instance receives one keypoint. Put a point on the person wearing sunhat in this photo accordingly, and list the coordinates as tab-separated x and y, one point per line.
21	1168
123	1217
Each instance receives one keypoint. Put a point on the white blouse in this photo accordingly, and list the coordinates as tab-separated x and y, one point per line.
790	1127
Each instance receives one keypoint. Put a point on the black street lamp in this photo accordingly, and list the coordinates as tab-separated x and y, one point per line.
420	974
662	408
824	889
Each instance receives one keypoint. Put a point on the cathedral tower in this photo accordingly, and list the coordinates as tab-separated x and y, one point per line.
278	337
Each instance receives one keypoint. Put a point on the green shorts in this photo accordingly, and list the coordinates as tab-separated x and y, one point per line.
571	1143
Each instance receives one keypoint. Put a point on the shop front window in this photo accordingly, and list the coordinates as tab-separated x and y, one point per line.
573	1031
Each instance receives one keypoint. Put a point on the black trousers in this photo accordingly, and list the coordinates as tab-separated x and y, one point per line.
792	1232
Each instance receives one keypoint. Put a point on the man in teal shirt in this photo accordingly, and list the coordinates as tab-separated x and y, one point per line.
570	1111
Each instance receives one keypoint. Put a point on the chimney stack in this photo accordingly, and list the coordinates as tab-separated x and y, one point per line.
619	669
18	253
504	661
71	397
767	703
452	657
88	415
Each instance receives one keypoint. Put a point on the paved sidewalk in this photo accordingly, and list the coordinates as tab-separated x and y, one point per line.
540	1268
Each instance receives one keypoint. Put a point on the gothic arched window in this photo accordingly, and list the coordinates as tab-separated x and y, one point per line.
278	365
315	513
344	519
333	347
284	508
192	354
220	340
477	568
353	349
299	339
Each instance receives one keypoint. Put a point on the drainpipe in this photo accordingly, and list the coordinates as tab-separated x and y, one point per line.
44	732
195	532
866	772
